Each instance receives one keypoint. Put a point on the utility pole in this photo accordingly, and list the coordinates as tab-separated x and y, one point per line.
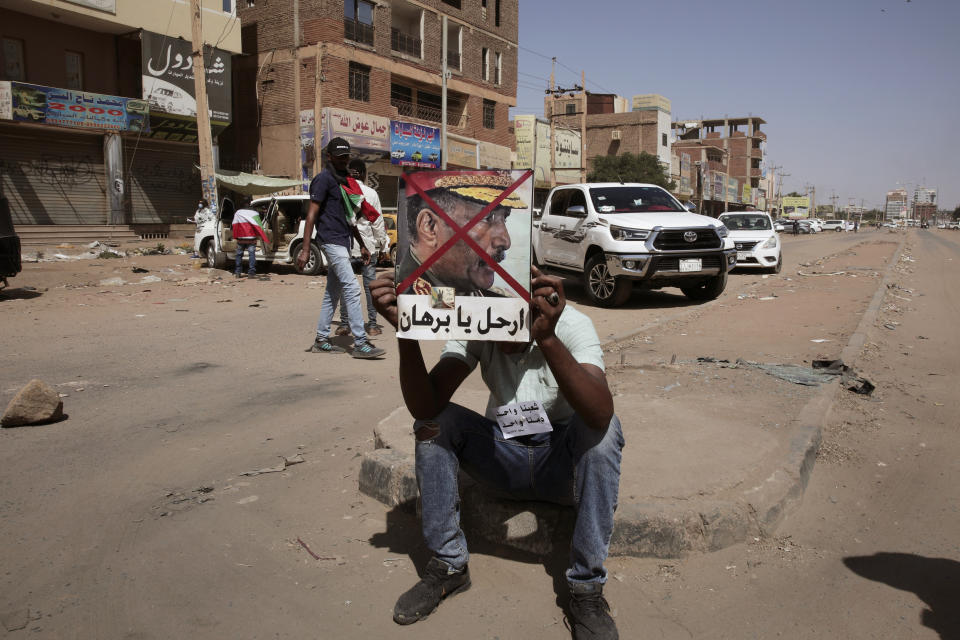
318	109
583	128
554	92
204	137
298	160
443	95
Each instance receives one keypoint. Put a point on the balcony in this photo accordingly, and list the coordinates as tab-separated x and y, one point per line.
455	116
755	173
401	42
358	31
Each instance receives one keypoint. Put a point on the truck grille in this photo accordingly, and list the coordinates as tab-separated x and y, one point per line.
672	240
671	263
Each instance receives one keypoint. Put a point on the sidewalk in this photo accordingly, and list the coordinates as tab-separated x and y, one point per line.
715	455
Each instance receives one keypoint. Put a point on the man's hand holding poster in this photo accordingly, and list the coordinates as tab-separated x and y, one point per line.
463	269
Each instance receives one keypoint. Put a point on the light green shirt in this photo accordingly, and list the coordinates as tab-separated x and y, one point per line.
525	376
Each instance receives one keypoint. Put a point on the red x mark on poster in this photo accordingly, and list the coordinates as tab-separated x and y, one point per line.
460	233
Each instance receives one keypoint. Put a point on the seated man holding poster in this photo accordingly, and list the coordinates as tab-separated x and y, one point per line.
549	433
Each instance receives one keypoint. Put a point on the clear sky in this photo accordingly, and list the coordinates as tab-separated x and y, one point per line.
860	96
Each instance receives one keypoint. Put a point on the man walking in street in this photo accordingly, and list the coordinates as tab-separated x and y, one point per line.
331	213
559	376
376	241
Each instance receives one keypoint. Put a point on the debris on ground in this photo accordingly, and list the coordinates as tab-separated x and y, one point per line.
287	461
819	372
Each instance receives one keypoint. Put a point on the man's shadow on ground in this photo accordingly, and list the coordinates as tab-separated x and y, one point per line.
403	536
936	581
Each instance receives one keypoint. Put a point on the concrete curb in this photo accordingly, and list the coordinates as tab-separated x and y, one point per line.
657	529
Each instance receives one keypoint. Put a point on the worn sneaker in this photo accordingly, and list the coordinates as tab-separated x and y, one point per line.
323	345
367	351
439	581
373	329
342	330
589	614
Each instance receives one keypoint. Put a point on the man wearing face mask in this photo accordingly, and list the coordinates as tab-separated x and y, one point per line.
461	197
335	227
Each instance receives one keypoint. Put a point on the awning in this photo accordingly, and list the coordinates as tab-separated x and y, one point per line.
250	184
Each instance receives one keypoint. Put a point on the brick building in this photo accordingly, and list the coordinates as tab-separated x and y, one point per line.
379	85
612	126
95	110
728	159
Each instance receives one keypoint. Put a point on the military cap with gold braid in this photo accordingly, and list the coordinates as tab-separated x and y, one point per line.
480	187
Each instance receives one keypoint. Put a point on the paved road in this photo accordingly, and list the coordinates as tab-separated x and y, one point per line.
175	386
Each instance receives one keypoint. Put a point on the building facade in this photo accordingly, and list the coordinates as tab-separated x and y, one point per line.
378	84
895	206
95	108
729	159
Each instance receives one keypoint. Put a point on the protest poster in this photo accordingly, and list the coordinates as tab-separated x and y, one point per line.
463	255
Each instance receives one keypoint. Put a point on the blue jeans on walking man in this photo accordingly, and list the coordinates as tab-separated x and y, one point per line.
251	250
573	464
368	273
340	282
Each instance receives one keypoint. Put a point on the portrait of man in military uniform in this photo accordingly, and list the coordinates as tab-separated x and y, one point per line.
460	270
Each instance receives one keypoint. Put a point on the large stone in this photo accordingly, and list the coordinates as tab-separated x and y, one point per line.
36	403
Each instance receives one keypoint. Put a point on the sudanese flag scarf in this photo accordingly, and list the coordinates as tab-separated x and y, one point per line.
353	201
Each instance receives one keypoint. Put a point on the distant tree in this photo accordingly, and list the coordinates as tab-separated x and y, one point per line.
956	213
793	194
630	167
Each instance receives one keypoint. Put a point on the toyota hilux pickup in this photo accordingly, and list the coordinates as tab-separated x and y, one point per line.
618	236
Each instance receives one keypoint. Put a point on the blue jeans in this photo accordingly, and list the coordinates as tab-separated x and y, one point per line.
572	465
251	250
369	274
340	282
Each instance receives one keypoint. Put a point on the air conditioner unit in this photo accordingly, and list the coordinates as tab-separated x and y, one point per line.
615	134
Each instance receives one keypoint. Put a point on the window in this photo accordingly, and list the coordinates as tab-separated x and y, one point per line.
571	108
489	114
228	6
499	71
485	64
496	12
359	82
13	67
358	21
663	139
452	3
483	9
74	66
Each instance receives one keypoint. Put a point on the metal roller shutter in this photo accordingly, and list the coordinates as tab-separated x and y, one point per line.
53	178
162	183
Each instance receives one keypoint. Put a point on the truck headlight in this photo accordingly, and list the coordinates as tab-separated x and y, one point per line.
722	231
770	243
622	233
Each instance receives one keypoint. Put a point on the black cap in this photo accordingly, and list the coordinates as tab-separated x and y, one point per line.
338	147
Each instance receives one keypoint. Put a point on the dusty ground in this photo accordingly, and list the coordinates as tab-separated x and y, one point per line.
130	519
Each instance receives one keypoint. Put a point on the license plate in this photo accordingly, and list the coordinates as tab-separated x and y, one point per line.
743	255
691	264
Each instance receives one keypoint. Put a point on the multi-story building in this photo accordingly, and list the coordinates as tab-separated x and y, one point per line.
614	125
895	206
378	84
97	108
729	155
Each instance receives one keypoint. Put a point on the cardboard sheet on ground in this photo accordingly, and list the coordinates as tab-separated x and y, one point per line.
463	255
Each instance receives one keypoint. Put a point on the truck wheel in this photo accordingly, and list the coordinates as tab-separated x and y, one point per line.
215	259
605	289
314	264
711	289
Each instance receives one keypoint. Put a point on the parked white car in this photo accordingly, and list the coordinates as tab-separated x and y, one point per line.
835	225
283	219
756	240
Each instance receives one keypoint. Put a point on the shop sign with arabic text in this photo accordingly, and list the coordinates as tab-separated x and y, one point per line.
414	145
363	131
77	109
167	73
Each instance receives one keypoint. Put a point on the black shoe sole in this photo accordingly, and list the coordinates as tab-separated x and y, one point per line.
405	621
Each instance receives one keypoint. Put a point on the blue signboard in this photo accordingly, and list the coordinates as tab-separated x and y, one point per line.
78	109
414	145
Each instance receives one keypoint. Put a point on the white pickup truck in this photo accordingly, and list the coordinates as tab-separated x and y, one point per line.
617	236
